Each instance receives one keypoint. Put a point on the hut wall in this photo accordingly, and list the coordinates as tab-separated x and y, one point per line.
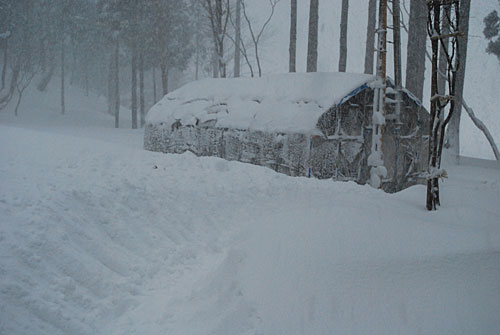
341	153
285	153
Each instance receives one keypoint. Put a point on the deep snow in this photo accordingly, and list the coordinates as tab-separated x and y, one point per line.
285	102
98	236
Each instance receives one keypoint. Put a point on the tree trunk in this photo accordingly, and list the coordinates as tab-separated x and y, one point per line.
454	126
5	61
164	78
312	44
219	13
343	36
63	105
443	62
396	19
142	102
111	76
134	89
5	20
417	37
370	36
116	85
237	41
154	85
433	182
293	37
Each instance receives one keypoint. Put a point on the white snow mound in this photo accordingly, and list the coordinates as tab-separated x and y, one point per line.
289	102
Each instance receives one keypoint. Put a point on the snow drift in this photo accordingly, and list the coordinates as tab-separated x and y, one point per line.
98	238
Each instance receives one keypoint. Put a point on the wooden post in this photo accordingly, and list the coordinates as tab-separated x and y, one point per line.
376	158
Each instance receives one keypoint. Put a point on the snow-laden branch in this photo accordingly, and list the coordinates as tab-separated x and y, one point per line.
483	128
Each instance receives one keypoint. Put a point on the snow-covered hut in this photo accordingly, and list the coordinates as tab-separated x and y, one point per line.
315	124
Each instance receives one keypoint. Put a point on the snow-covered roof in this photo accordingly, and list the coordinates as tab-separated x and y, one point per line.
289	102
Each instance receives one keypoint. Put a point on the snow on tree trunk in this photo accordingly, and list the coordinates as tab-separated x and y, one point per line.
417	37
370	36
343	36
312	44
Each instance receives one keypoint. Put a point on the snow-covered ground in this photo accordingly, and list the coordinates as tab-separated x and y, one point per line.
98	236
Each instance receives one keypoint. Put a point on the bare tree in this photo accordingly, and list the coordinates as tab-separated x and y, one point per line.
312	42
370	36
257	35
417	37
442	104
293	37
21	85
218	13
343	36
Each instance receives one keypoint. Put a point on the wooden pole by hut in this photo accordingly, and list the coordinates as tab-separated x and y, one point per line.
376	158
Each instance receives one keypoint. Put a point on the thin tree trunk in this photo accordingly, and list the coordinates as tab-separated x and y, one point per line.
154	85
312	44
164	78
433	182
293	37
43	56
443	62
142	102
343	36
111	76
116	85
5	19
220	38
197	62
370	36
237	41
86	74
134	88
417	37
454	126
396	19
63	105
5	61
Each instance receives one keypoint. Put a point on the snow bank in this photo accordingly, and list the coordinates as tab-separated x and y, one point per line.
99	238
285	102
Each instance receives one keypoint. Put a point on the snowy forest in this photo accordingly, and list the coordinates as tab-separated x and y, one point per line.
249	167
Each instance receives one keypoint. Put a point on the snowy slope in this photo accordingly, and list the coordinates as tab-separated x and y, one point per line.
100	237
